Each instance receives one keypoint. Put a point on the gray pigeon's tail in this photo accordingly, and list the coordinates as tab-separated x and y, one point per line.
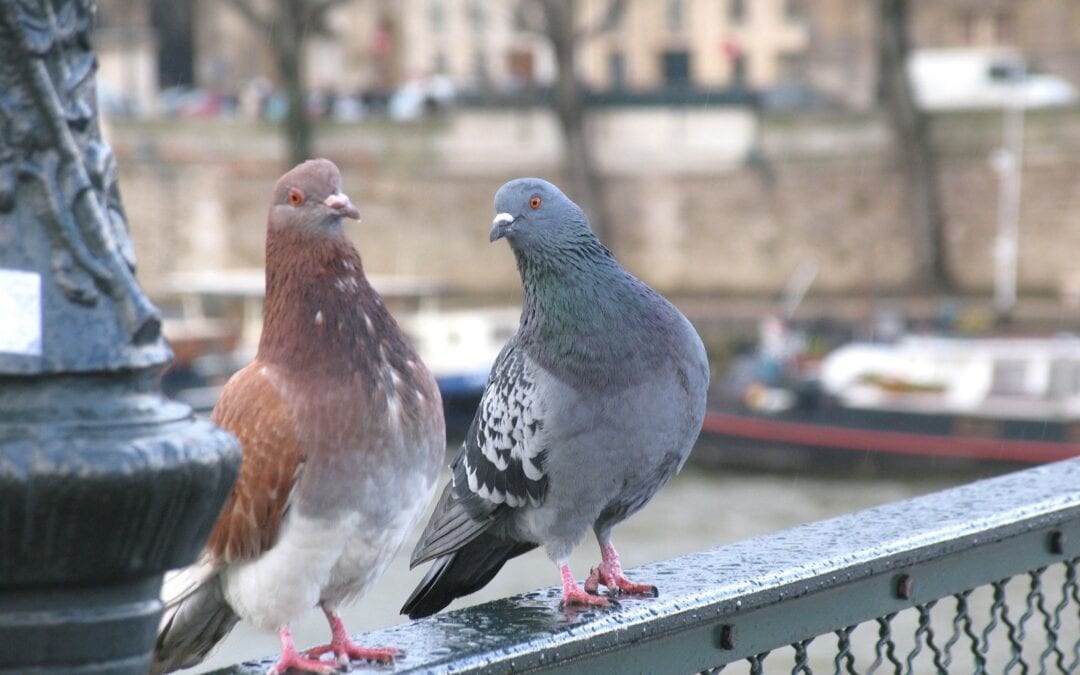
197	617
461	572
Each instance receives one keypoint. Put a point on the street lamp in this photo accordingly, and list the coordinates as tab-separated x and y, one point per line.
104	483
1007	161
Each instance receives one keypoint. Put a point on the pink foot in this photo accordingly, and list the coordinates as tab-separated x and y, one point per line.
345	650
349	651
610	574
291	659
574	596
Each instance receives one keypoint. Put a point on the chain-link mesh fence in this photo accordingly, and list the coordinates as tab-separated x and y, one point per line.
1028	623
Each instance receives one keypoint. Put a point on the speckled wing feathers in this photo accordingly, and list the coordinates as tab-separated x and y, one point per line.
501	465
503	460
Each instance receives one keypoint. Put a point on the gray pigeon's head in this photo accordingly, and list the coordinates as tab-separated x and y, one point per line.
533	214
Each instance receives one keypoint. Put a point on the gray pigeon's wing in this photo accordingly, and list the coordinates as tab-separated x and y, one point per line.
500	465
503	458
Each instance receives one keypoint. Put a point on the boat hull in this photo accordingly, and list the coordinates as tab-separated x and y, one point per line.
797	439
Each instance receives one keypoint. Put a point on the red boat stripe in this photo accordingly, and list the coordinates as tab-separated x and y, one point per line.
904	443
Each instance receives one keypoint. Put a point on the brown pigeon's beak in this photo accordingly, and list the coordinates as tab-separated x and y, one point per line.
340	204
500	227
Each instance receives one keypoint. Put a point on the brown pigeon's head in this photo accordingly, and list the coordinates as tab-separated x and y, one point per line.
309	198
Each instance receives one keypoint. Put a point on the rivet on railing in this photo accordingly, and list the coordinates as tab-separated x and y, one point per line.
1057	542
726	636
905	586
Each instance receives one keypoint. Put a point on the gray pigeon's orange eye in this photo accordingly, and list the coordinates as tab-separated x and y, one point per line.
296	198
535	202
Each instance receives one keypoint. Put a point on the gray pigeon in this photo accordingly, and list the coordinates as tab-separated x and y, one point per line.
589	409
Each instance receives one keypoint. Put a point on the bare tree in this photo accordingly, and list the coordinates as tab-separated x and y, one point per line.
289	23
560	27
911	133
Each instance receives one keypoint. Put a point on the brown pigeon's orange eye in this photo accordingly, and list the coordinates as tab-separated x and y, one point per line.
535	202
296	198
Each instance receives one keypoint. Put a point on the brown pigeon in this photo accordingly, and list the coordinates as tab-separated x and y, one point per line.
342	433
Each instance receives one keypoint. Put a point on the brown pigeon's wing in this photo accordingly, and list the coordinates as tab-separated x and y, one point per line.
252	409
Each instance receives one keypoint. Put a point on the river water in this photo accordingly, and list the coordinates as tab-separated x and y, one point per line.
698	509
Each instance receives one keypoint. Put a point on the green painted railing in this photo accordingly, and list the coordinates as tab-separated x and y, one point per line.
978	578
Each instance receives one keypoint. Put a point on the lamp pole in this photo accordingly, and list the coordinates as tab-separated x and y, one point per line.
1008	162
104	483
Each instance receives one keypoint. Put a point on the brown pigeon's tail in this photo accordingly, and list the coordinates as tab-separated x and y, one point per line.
197	617
461	572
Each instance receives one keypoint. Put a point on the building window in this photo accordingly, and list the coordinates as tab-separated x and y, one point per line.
738	70
674	14
617	70
736	11
676	68
437	15
613	20
480	67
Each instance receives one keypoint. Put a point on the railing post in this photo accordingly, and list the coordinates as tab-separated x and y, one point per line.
104	484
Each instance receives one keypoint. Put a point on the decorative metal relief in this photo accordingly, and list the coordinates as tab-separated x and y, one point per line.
52	155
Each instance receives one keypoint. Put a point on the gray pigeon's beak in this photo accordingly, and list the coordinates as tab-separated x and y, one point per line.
500	227
340	204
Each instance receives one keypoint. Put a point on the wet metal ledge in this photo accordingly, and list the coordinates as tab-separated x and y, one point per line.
746	598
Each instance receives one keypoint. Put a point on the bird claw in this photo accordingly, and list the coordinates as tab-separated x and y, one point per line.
347	651
592	584
302	664
578	598
617	584
624	586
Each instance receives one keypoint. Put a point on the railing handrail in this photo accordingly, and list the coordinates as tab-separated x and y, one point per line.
751	596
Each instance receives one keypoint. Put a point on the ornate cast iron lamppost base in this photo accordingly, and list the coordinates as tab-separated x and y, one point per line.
104	484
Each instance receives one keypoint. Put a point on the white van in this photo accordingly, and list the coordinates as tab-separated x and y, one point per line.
948	79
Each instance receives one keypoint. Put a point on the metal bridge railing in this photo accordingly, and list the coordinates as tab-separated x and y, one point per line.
981	578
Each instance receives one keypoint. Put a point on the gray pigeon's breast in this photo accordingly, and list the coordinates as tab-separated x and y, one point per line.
652	412
610	451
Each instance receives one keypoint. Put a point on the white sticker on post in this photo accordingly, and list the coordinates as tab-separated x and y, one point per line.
20	312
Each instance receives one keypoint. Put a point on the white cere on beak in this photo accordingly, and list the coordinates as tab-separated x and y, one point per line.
336	200
340	203
502	218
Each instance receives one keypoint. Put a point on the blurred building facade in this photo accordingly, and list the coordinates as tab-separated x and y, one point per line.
357	45
696	43
841	58
632	44
478	45
1047	32
825	46
128	53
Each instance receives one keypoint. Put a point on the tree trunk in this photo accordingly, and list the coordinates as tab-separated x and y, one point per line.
912	136
580	171
288	34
